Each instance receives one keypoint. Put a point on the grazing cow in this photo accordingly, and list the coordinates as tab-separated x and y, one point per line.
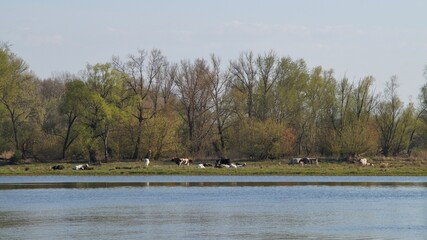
182	161
81	167
146	162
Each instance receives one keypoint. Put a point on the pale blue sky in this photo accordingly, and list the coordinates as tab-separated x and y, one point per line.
354	37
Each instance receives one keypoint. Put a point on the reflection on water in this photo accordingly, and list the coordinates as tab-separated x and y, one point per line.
5	186
214	209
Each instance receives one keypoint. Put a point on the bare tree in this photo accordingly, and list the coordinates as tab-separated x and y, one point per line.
388	116
168	84
244	72
193	89
268	70
219	83
140	73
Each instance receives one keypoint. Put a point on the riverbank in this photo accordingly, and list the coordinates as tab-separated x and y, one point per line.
381	167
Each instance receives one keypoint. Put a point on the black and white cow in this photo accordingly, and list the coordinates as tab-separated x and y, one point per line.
225	161
182	161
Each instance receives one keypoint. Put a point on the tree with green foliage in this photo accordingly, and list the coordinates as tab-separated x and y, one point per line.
268	67
71	108
17	97
391	119
101	101
351	118
288	97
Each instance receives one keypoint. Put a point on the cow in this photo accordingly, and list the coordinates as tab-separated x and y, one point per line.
182	161
302	161
146	162
222	166
81	167
294	160
364	161
200	165
223	161
58	167
240	165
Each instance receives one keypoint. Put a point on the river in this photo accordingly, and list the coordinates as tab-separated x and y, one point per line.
213	207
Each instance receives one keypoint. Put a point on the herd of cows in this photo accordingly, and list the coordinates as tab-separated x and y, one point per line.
220	163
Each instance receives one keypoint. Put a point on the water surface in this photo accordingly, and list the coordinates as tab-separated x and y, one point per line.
211	207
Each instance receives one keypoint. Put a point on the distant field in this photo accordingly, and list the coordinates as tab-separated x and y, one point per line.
382	167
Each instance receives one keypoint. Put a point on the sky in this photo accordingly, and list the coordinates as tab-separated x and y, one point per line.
356	38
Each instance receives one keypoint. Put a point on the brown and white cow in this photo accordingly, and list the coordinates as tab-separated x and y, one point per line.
182	161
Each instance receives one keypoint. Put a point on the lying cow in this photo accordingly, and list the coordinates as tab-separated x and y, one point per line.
81	167
294	160
58	167
201	165
231	165
225	161
182	161
365	162
302	161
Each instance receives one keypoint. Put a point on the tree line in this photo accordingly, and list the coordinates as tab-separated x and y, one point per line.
255	106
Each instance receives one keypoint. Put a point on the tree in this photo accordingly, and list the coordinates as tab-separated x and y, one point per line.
72	107
418	131
269	72
244	73
351	118
49	137
262	139
219	85
314	96
17	96
195	103
101	112
288	97
389	118
140	73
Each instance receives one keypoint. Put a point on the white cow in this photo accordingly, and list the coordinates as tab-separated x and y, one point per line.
81	167
364	161
200	165
146	162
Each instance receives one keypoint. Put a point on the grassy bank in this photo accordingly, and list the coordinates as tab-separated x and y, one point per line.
382	167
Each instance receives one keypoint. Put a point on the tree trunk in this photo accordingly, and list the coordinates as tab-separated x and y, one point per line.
135	154
105	141
18	148
92	156
67	141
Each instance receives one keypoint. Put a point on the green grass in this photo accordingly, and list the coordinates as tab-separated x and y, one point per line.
276	167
